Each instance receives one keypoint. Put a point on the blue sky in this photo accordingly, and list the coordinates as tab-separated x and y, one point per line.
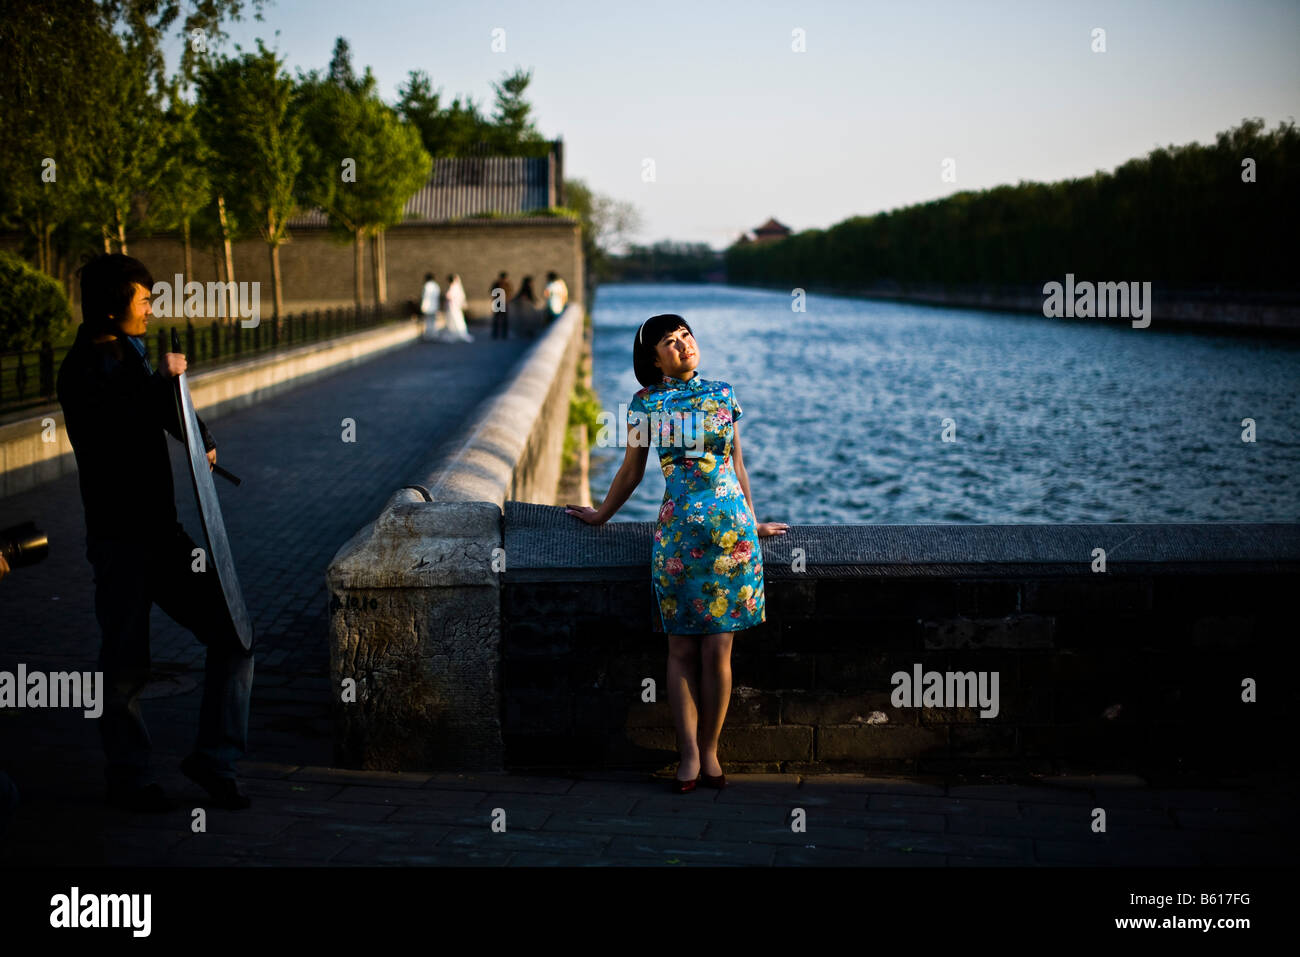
740	127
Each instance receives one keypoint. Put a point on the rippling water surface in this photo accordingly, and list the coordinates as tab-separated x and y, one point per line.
1055	420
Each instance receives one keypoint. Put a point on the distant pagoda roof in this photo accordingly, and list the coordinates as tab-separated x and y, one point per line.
772	227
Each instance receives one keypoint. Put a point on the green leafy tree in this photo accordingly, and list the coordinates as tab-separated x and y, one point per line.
256	139
72	71
33	307
513	133
1184	216
456	130
123	164
184	188
361	163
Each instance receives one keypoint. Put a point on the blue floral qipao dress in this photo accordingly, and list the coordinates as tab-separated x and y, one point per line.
706	565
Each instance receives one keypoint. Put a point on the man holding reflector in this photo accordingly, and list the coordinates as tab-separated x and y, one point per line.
116	407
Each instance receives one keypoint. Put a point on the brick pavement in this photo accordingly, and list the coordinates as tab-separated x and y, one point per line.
304	493
324	816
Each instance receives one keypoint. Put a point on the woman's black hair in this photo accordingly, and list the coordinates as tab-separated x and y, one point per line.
107	290
643	345
428	277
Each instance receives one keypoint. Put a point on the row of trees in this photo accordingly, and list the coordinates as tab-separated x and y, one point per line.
102	143
1222	214
667	261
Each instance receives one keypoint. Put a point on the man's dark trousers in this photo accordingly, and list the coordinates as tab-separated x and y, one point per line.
130	577
504	318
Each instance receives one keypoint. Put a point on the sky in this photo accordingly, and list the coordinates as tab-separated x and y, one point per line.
741	127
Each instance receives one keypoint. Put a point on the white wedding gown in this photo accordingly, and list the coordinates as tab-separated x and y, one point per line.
455	330
433	321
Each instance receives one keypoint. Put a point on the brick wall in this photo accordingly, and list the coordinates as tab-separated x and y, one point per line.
1103	673
318	269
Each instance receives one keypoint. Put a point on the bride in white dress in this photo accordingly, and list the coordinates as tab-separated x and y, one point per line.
433	320
454	302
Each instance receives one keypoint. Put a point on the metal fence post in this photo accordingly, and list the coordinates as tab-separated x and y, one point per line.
47	368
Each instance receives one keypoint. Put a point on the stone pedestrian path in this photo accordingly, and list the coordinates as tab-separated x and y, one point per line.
304	493
323	816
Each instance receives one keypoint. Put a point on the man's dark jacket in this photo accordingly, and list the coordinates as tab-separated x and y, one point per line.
115	412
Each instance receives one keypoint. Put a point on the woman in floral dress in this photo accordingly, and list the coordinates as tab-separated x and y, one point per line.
706	564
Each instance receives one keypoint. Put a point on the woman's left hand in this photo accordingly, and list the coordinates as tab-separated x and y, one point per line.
767	529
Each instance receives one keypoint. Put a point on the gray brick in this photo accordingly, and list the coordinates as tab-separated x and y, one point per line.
817	833
622	824
690	852
966	845
478	816
388	855
838	857
517	839
942	805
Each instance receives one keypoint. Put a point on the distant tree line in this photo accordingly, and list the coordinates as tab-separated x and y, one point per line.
665	261
1223	215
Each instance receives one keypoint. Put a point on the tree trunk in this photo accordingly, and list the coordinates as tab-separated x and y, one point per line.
376	267
40	244
358	264
108	247
233	305
121	232
189	256
275	286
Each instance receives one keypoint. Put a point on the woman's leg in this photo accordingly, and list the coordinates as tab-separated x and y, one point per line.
683	693
715	695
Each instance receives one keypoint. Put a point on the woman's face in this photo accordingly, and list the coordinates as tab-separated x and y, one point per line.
676	354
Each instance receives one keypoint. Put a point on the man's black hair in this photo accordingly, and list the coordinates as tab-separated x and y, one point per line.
107	289
643	345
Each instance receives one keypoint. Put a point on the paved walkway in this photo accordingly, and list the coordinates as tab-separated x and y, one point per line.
317	816
304	493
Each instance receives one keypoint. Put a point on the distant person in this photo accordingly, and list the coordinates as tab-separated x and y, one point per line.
557	297
501	313
116	408
524	307
454	303
429	307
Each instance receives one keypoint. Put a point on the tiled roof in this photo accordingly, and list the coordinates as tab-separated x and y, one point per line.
464	185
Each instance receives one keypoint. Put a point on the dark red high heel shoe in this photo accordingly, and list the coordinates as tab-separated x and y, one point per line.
710	781
684	787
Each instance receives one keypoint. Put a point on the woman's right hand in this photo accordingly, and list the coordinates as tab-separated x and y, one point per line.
585	512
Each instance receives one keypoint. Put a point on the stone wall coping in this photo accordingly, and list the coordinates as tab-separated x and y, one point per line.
544	543
493	438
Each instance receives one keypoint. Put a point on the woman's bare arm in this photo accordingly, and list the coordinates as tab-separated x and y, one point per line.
624	484
764	529
738	463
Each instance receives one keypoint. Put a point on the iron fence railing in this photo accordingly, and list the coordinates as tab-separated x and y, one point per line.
27	379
